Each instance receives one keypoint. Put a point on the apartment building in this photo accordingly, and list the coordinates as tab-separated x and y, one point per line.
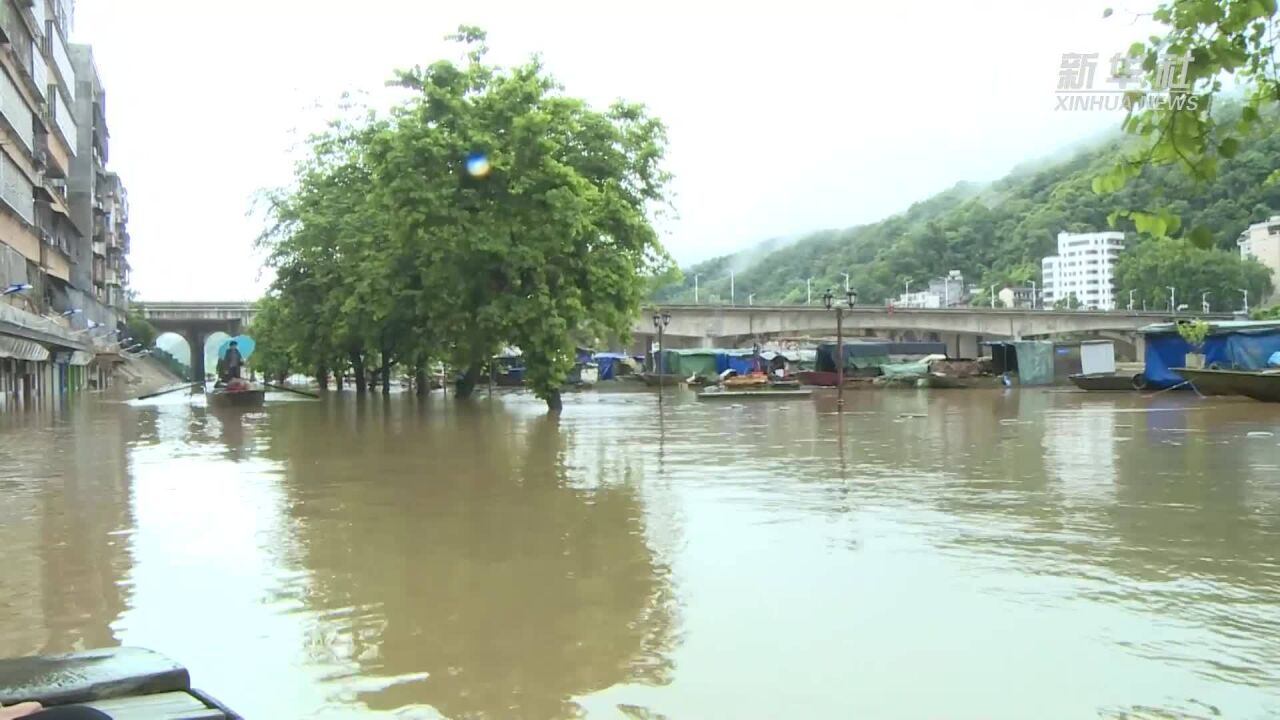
1262	243
63	216
1084	267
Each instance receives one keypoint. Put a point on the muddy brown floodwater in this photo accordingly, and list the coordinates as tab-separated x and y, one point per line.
959	554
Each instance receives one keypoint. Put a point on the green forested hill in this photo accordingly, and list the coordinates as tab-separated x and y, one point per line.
993	234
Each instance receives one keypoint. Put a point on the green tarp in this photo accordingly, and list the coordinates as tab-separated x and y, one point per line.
920	368
686	363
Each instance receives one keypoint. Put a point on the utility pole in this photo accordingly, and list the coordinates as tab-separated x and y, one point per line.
1131	292
1173	307
1033	294
1246	300
695	288
808	291
993	297
732	299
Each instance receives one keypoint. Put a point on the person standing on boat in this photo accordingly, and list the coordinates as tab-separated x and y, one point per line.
233	361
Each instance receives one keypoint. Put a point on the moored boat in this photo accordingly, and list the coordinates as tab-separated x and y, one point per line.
654	379
1104	382
1257	384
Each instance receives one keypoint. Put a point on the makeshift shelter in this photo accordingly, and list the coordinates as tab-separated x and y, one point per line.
1230	345
860	355
687	363
612	365
796	360
1030	361
742	362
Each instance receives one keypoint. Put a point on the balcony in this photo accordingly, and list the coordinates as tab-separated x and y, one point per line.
60	117
53	151
99	248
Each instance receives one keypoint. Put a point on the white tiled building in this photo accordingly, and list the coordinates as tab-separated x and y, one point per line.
1084	267
1262	242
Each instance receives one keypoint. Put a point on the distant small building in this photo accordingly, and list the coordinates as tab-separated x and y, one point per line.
1084	267
1018	297
922	299
1262	243
946	291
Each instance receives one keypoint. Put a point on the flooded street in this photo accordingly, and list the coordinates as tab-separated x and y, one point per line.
963	554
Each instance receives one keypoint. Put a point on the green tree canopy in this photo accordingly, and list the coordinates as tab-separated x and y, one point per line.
1153	267
488	209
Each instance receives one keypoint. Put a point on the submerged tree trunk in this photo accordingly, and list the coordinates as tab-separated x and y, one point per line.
420	385
554	402
466	384
357	367
322	377
337	378
386	372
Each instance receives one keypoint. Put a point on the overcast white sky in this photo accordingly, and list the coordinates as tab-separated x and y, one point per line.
783	117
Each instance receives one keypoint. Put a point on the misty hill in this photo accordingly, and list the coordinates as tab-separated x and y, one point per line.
993	234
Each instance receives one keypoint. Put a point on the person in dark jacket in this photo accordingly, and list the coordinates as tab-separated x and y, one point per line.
232	360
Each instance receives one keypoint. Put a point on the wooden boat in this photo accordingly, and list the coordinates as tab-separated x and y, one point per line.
737	382
668	379
1104	382
825	378
123	682
765	394
1259	385
253	397
817	378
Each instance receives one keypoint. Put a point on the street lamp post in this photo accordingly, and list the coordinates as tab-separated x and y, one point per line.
1033	294
695	288
1246	300
732	295
1173	306
808	291
751	299
846	281
1131	292
660	322
993	297
851	299
1204	302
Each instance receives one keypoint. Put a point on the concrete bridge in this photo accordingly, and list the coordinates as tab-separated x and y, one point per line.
196	321
961	328
738	326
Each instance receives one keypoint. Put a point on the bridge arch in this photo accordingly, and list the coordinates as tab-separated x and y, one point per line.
196	322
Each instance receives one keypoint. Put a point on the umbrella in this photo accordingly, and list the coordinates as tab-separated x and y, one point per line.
244	344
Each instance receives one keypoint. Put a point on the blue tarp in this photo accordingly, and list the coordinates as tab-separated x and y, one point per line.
742	363
1224	349
608	364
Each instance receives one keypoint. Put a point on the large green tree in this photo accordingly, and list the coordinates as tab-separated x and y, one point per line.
528	210
1153	267
488	209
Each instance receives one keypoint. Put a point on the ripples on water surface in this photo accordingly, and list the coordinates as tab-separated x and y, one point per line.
954	554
